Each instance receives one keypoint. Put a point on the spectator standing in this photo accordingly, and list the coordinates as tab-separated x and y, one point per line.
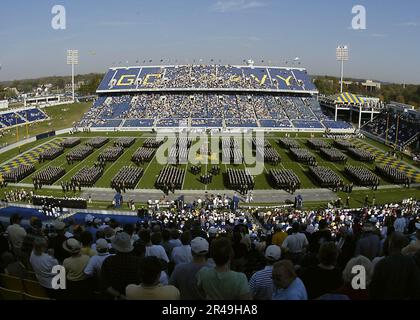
220	283
184	276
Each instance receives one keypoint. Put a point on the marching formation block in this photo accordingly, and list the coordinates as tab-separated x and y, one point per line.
326	177
288	143
19	173
125	142
361	155
170	178
343	144
238	179
87	176
97	142
127	178
362	176
302	155
333	155
79	153
318	144
143	155
49	175
111	154
392	174
153	143
51	153
284	179
70	142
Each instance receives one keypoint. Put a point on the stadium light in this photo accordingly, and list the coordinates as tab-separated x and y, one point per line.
342	53
72	59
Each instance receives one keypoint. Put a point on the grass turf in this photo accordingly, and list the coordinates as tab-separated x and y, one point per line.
192	182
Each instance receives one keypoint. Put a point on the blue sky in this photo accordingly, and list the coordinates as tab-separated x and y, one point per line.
107	32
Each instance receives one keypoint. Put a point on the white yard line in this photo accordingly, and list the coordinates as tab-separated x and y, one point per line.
145	170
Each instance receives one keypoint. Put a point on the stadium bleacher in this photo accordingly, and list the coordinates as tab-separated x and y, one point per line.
179	96
21	116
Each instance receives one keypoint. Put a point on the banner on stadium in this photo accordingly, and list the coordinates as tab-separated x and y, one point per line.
45	135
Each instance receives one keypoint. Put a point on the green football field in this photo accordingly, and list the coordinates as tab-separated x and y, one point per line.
191	182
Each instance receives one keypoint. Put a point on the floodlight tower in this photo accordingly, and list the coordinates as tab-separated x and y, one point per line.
72	59
342	53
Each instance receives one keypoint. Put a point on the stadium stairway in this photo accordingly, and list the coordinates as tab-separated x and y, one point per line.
382	159
30	157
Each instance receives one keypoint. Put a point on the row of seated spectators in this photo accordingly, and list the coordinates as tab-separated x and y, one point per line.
400	128
173	254
206	110
210	77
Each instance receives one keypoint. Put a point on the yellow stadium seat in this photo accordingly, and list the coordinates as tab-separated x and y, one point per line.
11	283
31	276
31	297
34	288
6	294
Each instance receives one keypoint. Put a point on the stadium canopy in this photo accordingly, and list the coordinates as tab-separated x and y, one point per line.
346	98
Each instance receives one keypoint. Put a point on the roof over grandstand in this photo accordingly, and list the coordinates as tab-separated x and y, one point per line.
207	78
346	98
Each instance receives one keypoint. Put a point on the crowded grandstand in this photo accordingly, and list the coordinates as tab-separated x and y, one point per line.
211	96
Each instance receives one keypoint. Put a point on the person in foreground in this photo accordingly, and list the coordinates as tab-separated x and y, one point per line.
151	288
221	283
287	286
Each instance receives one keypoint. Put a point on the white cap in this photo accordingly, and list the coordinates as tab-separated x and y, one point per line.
213	231
89	218
273	253
199	245
101	244
59	225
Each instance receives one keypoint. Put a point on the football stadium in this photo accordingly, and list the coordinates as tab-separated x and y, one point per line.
209	181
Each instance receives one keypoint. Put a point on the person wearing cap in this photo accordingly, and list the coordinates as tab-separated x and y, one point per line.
287	285
261	284
16	234
369	244
75	266
221	283
150	287
35	231
121	269
295	244
93	268
56	240
183	254
414	246
184	276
